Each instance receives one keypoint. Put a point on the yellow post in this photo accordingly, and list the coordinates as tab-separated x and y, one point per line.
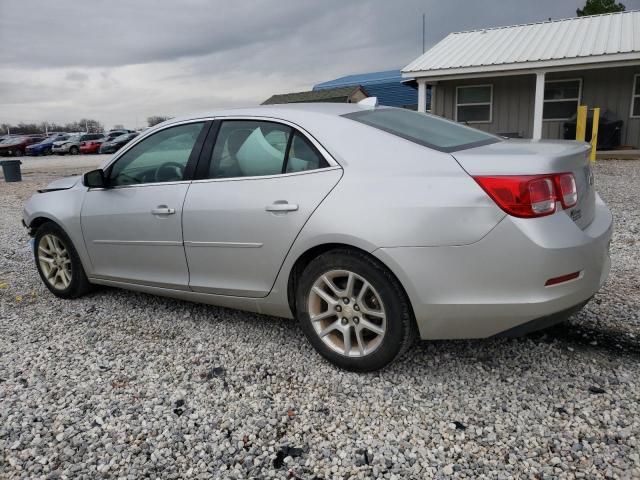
581	125
594	133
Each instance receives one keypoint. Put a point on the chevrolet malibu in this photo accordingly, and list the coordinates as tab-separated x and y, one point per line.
370	225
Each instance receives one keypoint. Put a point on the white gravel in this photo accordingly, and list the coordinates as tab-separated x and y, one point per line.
127	385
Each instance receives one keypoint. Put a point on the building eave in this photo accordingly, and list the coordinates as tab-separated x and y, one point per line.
522	68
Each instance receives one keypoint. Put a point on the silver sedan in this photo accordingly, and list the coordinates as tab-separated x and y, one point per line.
370	225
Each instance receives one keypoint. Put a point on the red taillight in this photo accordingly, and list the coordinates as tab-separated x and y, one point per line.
567	190
530	196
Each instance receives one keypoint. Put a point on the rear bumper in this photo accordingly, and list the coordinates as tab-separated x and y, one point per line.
498	283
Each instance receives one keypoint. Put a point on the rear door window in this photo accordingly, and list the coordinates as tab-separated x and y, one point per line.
253	148
303	155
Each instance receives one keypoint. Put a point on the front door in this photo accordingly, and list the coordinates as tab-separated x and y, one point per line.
133	228
264	181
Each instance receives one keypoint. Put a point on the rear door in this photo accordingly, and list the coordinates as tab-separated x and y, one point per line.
260	182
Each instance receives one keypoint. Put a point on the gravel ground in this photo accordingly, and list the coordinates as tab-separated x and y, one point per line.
121	384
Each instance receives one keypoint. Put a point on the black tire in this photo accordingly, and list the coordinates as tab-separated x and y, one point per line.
79	285
74	150
18	153
401	330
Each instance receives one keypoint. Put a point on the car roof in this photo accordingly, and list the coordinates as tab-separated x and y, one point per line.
285	111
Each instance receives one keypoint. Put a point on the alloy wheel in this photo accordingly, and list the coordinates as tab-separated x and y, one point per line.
347	313
55	261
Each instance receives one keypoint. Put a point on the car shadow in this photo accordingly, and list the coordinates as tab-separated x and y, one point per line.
586	336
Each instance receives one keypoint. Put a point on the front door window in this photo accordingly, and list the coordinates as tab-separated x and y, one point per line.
161	157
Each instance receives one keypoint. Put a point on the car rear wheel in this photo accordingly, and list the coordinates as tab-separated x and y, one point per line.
18	153
58	262
354	311
74	151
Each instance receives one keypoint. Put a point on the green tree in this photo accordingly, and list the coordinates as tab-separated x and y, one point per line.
595	7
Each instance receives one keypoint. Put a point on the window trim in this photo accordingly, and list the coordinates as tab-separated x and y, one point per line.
556	100
634	96
212	132
490	103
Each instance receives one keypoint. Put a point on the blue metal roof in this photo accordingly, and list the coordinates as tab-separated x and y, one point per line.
386	85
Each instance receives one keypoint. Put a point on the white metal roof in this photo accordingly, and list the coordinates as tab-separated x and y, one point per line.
572	41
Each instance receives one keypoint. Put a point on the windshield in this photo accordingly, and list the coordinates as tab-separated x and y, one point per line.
424	129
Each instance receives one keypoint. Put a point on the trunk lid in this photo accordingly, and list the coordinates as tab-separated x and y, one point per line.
537	157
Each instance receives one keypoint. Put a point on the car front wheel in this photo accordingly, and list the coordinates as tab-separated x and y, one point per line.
354	311
58	262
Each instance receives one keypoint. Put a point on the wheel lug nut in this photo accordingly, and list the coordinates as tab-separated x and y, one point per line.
345	300
338	308
356	307
356	320
344	320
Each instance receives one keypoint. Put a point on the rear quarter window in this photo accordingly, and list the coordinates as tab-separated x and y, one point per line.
424	129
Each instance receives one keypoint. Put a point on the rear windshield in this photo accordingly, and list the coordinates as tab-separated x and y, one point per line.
424	129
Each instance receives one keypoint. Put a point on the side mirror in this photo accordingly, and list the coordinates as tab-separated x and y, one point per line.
95	179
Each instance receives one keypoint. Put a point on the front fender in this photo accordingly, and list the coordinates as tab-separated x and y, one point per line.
62	207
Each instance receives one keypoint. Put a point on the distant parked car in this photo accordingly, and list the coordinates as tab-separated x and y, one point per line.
17	146
72	144
117	143
92	146
116	133
44	147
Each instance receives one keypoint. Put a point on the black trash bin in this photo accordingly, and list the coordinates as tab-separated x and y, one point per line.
11	170
609	129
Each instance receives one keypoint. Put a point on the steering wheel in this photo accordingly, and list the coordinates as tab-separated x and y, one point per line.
169	171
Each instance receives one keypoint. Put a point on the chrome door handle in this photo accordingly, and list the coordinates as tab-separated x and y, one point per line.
163	211
281	207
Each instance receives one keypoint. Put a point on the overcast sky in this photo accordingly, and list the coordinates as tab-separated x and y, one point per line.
122	61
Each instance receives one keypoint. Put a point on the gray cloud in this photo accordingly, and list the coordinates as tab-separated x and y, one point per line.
76	76
118	61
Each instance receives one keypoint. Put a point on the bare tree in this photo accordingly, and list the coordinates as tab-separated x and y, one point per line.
156	119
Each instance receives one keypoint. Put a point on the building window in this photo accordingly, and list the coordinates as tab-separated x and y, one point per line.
474	103
561	99
635	98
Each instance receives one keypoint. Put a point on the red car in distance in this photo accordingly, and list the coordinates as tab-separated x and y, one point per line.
91	146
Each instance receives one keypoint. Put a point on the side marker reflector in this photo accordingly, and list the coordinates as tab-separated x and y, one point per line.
562	279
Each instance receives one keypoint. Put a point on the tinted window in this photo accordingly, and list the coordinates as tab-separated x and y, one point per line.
424	129
161	157
303	156
246	148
